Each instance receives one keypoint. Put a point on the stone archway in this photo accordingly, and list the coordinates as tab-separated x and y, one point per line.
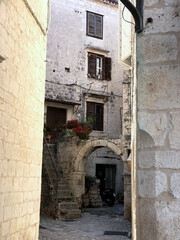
78	175
71	164
78	166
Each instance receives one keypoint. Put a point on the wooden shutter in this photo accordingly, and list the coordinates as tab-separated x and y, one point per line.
91	65
96	111
99	108
103	67
99	26
90	24
91	112
108	68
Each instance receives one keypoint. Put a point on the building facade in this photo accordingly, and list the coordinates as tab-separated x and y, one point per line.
83	75
84	79
23	25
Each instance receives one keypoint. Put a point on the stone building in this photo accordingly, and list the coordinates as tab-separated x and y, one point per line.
23	25
84	78
155	124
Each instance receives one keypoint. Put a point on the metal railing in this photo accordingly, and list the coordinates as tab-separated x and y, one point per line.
52	159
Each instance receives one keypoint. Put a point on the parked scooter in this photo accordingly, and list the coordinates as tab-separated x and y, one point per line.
109	196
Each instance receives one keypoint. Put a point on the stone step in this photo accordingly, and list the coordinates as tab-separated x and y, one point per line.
68	205
65	198
65	193
73	214
63	186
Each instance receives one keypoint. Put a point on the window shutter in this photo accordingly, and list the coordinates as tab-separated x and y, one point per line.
91	24
108	68
99	117
91	112
103	67
91	65
99	26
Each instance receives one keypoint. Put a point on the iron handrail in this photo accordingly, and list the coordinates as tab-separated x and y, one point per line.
52	159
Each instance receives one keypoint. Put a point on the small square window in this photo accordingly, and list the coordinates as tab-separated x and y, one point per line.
94	25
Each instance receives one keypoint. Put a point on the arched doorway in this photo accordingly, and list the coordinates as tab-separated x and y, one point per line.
76	175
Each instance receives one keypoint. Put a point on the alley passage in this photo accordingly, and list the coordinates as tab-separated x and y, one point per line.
104	223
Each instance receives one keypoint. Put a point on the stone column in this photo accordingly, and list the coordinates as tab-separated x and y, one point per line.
156	178
126	127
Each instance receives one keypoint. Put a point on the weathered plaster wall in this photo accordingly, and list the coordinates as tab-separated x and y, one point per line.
158	104
68	46
22	74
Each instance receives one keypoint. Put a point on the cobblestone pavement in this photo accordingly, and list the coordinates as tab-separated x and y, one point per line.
92	225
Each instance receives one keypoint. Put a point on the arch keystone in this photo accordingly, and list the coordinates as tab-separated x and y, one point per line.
102	143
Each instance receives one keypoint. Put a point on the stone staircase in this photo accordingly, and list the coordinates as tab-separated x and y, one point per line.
68	208
62	204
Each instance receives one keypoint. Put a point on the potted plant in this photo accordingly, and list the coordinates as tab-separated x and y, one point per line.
47	133
69	134
82	131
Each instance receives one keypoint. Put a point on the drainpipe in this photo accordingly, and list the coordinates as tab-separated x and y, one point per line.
137	13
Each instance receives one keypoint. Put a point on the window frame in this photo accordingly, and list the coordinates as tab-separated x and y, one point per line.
95	124
105	69
95	25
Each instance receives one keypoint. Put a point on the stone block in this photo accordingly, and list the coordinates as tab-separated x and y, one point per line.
13	226
167	159
150	3
85	149
147	219
171	2
7	213
151	183
97	143
114	148
5	228
35	170
155	124
164	20
175	185
163	48
146	158
168	220
158	87
174	133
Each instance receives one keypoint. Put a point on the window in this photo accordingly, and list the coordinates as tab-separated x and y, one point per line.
99	66
96	112
94	25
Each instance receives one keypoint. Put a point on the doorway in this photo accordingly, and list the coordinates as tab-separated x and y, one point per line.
55	118
107	175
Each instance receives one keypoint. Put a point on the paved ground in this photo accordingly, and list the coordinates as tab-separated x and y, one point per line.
92	226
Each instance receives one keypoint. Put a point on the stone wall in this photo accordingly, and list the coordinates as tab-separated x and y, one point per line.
22	73
68	47
92	197
156	188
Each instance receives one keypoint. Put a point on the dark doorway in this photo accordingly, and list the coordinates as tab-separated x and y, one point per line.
55	118
107	175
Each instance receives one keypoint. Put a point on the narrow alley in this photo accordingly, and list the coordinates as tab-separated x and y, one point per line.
96	224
